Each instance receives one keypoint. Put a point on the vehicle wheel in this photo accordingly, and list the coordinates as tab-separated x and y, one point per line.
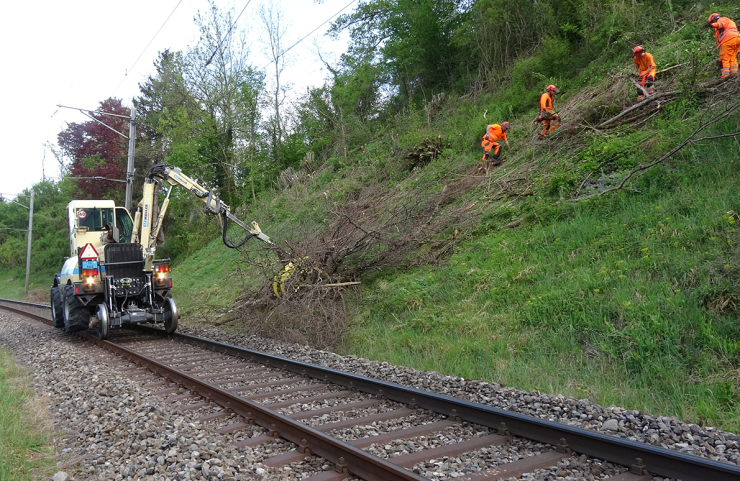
76	316
103	322
57	307
171	315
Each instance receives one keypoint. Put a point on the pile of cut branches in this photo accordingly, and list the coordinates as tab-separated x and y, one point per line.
303	300
427	151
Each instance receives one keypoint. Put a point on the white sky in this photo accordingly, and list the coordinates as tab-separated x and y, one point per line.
76	53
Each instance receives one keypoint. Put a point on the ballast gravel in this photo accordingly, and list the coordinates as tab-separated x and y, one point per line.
109	427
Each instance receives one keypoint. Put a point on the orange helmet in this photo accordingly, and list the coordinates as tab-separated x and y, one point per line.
638	50
713	17
505	125
551	88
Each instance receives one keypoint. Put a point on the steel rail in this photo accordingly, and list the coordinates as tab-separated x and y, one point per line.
658	461
309	440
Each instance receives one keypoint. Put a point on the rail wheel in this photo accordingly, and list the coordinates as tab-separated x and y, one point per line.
171	315
76	316
57	307
103	322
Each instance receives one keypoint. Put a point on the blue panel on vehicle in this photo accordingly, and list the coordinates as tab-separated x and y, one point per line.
89	264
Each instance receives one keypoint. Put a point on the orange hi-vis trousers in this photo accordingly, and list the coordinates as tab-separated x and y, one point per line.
550	121
490	147
728	56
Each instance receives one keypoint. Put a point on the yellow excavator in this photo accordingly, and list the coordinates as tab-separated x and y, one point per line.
113	278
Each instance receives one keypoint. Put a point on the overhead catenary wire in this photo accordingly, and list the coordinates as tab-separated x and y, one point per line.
227	33
145	48
309	34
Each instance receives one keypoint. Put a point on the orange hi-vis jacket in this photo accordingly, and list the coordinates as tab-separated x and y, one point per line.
646	64
546	101
724	30
494	134
491	138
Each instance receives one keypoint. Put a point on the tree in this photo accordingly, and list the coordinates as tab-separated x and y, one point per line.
275	28
410	38
94	150
495	32
335	117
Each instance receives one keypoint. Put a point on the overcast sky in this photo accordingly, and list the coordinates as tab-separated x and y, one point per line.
77	52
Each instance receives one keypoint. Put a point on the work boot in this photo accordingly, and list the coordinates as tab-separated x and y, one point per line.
496	163
651	91
640	97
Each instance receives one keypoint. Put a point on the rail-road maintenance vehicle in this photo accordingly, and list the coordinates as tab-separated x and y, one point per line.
112	278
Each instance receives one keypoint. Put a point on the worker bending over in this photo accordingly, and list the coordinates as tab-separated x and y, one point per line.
494	133
550	120
645	68
728	41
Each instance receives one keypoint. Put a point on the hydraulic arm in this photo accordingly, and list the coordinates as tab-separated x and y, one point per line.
149	229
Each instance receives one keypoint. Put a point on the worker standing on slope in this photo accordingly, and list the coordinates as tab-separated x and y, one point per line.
550	120
645	67
494	133
728	41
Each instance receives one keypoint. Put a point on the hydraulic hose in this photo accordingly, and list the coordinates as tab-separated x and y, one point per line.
226	242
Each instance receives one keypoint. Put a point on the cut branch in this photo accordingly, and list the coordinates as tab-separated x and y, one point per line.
688	140
638	105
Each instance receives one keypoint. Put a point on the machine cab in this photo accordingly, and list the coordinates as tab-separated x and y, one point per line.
89	221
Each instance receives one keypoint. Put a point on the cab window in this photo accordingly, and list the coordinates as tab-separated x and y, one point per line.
125	225
94	219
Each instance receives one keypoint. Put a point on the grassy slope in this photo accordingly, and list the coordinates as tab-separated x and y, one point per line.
627	299
13	285
605	304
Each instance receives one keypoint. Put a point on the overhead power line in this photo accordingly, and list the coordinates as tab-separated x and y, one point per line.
98	177
227	33
145	48
312	32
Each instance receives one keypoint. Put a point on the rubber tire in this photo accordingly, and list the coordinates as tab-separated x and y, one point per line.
103	322
57	307
76	315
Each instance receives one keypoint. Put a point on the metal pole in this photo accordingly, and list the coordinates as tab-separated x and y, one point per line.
130	167
28	249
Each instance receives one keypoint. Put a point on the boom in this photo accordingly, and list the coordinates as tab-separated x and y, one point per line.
146	231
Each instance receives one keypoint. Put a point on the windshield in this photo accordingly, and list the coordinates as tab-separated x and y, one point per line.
94	219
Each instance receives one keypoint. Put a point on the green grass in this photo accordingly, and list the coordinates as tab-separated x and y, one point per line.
24	454
626	300
207	283
13	285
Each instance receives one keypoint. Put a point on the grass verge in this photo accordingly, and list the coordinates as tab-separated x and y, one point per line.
24	453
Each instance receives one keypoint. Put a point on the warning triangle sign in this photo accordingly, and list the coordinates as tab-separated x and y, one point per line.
88	252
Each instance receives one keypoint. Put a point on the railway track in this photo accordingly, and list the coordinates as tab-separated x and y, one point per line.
350	421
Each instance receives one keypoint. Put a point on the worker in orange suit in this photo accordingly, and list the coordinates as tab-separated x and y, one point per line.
494	133
645	68
547	116
728	41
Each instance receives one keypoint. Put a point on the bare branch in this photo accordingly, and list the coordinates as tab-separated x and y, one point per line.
688	140
734	134
638	105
